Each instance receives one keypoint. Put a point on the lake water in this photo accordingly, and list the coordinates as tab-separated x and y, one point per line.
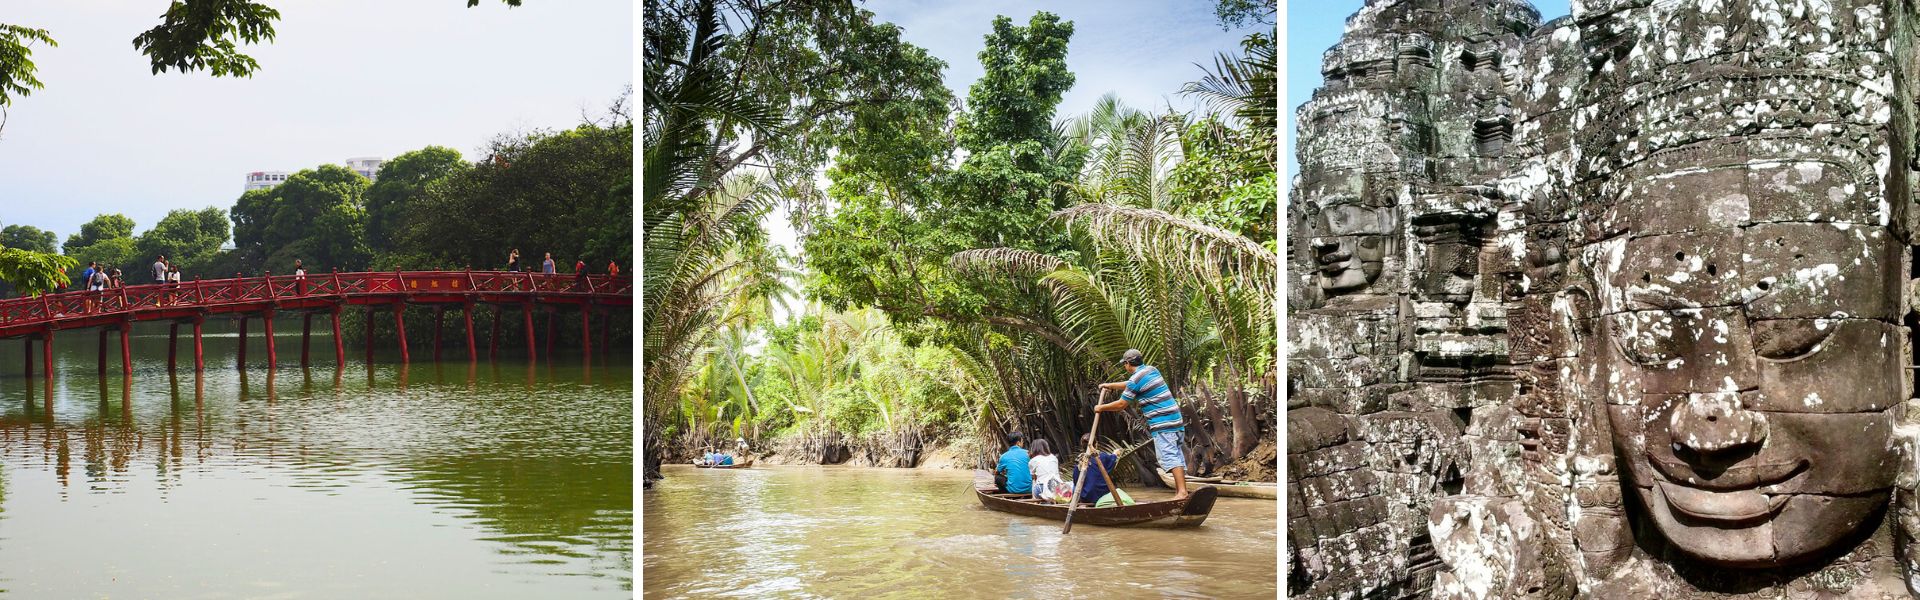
844	532
502	480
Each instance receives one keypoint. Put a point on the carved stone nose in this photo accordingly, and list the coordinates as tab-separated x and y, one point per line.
1715	422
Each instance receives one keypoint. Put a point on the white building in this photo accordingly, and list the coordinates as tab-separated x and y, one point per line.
260	180
366	166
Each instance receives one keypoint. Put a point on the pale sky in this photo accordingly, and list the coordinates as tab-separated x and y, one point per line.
344	78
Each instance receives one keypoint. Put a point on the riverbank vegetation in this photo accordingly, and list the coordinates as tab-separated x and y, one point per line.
970	267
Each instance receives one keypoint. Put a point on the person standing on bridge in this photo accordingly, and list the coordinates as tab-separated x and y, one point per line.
299	278
513	261
1145	388
116	281
580	274
613	269
160	269
86	277
546	266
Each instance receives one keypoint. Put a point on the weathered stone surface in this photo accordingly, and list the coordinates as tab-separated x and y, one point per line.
1618	305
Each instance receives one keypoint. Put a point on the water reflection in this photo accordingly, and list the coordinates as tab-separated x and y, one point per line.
429	480
837	532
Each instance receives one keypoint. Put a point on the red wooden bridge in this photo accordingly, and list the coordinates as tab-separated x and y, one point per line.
260	297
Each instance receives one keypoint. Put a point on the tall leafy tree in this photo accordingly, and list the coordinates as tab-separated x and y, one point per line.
101	228
403	182
900	214
568	192
317	216
189	238
29	238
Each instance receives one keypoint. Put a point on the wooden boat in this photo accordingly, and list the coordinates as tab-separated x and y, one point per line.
743	465
1228	487
1188	512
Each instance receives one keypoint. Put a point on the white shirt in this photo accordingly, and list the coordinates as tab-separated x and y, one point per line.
1044	468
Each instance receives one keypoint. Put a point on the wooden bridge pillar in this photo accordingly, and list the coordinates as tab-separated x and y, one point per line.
606	333
126	350
466	312
46	355
27	358
400	329
243	342
550	315
100	361
528	313
370	310
586	334
306	335
266	319
339	347
493	338
199	354
173	344
439	317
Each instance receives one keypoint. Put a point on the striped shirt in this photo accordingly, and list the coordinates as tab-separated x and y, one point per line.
1148	392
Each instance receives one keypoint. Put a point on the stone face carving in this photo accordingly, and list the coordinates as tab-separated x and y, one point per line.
1611	306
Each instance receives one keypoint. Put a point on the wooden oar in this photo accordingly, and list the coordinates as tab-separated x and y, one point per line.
1103	472
1093	434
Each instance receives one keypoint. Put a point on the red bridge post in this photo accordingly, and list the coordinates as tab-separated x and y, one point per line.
306	332
126	350
529	317
27	358
100	361
466	311
586	334
46	356
266	318
339	347
199	355
370	310
243	342
493	338
400	329
173	343
550	315
439	318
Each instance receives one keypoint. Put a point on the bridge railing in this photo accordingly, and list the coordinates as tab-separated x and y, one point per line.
289	287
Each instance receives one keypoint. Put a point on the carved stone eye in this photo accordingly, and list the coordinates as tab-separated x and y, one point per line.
1784	339
1649	338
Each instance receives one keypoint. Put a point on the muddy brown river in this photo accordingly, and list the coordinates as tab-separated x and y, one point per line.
845	532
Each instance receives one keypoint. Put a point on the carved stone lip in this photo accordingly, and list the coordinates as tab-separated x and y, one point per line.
1734	478
1721	508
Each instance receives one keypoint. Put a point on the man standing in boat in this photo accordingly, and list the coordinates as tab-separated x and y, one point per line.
1146	389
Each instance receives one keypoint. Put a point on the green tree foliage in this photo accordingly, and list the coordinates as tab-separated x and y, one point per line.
111	253
317	216
29	238
102	227
1026	72
899	214
189	238
567	192
1241	13
34	273
202	34
403	182
16	61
